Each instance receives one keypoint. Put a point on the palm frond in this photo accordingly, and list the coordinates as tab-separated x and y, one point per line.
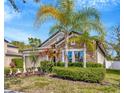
91	12
66	5
55	28
46	11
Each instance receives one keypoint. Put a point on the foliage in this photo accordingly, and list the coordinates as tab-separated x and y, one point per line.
113	71
76	64
34	58
79	64
6	70
67	19
18	62
46	66
113	45
94	64
86	39
34	42
14	70
61	64
94	75
21	45
56	85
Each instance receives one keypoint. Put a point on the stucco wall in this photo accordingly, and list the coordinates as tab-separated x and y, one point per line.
100	56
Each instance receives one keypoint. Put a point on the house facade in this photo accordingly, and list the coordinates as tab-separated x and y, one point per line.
53	49
10	52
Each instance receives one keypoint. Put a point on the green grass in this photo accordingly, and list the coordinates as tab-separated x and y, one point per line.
46	84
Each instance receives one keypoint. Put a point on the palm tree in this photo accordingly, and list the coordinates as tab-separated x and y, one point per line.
68	19
63	14
89	20
87	42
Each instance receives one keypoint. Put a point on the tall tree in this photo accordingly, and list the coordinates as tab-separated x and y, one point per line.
34	42
114	42
68	19
20	45
63	15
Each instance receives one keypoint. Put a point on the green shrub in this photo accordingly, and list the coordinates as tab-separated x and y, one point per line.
61	64
79	64
76	64
46	66
94	64
18	62
82	74
6	70
113	71
14	70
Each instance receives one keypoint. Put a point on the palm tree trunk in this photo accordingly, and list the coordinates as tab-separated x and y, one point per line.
84	56
66	50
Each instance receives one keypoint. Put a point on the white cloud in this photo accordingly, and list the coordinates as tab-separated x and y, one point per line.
17	34
97	3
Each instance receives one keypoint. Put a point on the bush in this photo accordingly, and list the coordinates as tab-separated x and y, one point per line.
76	64
61	64
82	74
18	62
79	64
14	70
113	71
46	66
6	70
94	64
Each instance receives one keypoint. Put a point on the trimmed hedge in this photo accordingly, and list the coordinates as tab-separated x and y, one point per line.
79	64
94	75
61	64
94	64
113	71
46	66
18	62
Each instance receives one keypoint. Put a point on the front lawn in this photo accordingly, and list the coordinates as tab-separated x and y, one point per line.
47	84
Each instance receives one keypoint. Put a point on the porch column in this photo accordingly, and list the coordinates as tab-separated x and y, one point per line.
63	56
73	56
47	58
24	66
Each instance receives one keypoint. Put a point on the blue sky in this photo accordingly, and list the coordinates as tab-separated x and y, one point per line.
20	26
